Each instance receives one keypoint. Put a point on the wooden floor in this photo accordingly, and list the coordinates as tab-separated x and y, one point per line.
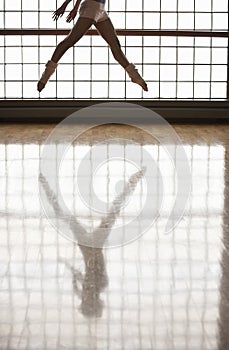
134	290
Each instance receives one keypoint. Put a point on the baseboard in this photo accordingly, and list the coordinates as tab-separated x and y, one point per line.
52	111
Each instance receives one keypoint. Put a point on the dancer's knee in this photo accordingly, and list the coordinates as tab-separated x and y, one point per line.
118	43
116	51
68	42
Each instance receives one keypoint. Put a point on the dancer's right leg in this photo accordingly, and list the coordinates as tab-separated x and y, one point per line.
80	28
107	31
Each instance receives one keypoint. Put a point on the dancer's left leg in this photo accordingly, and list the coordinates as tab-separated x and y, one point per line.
80	28
107	31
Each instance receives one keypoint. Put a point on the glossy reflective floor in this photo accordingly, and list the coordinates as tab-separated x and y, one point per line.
158	292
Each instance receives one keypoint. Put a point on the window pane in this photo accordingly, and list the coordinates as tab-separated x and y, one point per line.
202	73
13	72
185	90
203	6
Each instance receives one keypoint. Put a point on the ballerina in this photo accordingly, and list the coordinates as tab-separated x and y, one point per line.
90	12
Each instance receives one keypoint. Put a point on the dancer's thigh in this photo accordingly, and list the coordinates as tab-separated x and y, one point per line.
80	28
107	31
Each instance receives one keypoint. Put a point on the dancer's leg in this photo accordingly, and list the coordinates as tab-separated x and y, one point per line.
107	31
80	28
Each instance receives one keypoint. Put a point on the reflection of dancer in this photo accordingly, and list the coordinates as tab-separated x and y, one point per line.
95	278
89	286
91	12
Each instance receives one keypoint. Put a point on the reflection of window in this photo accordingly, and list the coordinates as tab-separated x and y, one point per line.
173	67
173	273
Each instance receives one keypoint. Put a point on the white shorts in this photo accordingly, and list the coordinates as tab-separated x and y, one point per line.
93	9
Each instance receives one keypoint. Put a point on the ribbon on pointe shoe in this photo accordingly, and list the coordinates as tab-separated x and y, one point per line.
134	75
49	70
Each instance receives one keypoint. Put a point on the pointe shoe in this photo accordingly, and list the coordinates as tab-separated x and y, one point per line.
135	76
49	70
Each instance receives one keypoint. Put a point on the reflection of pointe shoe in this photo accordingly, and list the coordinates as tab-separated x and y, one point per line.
137	176
135	76
49	70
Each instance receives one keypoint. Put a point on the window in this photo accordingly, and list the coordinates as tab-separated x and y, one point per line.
175	67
